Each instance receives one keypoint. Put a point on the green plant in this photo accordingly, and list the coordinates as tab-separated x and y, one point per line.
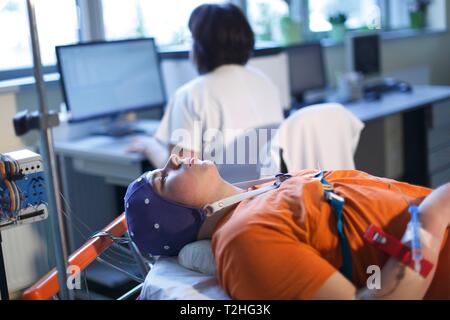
419	5
290	30
338	18
418	10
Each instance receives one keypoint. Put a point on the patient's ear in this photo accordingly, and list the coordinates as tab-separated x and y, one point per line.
208	211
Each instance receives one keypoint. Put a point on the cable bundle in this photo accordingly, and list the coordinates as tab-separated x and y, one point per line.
9	193
9	168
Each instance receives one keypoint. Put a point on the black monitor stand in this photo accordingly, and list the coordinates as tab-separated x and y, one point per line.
299	101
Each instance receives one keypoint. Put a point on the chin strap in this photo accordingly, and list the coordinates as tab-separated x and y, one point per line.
217	206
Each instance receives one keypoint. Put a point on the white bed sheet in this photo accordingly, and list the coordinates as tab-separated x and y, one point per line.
168	280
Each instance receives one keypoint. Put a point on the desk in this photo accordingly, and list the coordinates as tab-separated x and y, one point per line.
105	156
425	114
397	102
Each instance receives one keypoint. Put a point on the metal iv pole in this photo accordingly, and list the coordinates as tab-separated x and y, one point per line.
47	152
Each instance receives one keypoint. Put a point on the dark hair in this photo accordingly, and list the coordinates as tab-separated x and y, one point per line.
221	35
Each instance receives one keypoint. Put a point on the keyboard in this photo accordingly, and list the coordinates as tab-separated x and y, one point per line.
387	86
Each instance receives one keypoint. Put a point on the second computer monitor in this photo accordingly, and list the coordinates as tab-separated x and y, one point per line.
364	54
306	68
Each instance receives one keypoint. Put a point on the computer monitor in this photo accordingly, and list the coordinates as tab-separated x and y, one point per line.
104	79
364	54
306	69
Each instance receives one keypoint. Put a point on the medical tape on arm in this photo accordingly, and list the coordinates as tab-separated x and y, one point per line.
395	248
427	239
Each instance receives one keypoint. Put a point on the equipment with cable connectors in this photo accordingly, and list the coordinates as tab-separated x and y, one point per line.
23	198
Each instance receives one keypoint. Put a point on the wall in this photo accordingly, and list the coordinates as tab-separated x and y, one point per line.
8	140
431	52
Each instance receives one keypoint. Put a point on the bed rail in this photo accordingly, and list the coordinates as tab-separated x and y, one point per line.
48	286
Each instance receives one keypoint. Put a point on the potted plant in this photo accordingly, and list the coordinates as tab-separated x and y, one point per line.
338	21
290	30
418	10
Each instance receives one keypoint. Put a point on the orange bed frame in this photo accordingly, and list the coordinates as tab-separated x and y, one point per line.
47	287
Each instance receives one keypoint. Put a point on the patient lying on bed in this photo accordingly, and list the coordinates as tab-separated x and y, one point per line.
284	244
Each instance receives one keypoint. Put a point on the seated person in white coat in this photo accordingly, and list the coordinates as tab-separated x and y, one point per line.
228	97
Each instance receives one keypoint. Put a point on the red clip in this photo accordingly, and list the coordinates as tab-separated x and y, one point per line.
393	247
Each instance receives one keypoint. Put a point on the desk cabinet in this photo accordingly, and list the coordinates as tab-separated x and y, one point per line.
438	144
413	146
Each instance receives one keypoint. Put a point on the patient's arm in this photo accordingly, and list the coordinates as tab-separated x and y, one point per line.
337	287
397	281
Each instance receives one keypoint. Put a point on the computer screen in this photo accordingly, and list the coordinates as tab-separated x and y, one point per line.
365	53
306	68
108	78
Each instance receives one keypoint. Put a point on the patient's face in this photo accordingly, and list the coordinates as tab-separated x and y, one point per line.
187	181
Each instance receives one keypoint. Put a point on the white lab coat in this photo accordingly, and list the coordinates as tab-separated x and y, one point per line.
230	100
322	136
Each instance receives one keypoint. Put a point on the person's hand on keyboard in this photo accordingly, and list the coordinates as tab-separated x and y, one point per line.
152	149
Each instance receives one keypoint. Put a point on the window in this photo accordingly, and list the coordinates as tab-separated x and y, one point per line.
166	20
282	21
360	14
265	17
57	24
399	17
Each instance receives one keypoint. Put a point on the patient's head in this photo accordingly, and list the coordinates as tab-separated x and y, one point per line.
164	208
188	181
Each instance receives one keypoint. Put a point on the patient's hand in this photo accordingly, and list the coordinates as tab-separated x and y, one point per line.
141	143
151	148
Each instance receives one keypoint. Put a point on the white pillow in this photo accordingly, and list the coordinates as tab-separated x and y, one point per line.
168	280
198	256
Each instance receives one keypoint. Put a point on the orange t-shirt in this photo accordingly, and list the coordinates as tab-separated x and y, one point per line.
284	244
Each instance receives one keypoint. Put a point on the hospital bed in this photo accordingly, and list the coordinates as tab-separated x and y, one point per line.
166	280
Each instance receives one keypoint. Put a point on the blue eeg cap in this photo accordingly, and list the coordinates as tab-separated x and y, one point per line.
156	225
